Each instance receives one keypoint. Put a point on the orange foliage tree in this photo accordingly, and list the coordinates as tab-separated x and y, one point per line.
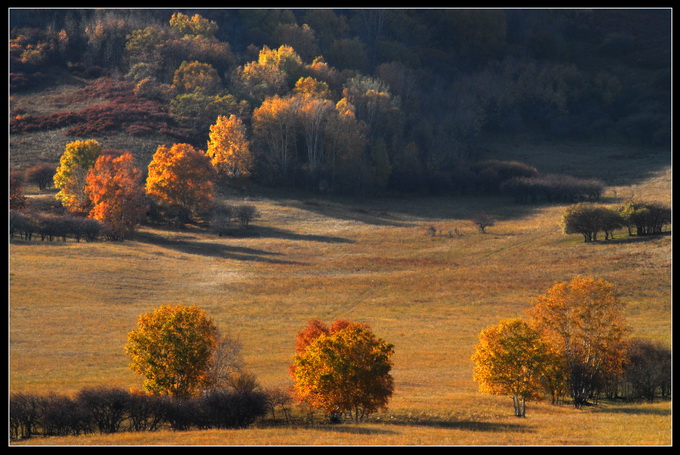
344	369
173	347
583	320
181	176
510	359
114	186
229	148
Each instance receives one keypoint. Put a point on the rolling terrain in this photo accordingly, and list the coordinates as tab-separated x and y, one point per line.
72	304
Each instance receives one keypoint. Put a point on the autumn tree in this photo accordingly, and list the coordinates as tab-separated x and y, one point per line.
196	77
114	186
510	359
181	176
274	131
583	320
343	369
229	148
172	348
194	25
71	175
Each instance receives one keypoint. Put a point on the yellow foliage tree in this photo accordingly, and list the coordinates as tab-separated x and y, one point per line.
510	359
583	320
196	77
228	147
172	348
71	175
343	369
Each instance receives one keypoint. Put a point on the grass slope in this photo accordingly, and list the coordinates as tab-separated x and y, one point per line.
72	305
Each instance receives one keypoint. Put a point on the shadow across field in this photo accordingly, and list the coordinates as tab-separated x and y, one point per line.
467	425
635	410
283	234
212	249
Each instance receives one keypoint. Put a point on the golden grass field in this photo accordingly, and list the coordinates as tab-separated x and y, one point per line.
72	304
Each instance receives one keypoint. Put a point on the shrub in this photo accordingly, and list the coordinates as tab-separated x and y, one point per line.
63	416
647	370
490	174
144	412
483	221
41	175
105	408
245	214
232	409
221	218
25	413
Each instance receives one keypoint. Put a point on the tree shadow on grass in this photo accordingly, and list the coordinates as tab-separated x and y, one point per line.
276	233
634	410
212	249
468	425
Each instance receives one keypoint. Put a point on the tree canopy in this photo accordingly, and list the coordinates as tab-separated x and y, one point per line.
172	348
343	369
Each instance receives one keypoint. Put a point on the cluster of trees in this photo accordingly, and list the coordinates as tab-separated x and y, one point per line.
589	219
340	370
572	344
354	100
107	187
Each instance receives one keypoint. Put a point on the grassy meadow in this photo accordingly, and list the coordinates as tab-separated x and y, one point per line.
73	304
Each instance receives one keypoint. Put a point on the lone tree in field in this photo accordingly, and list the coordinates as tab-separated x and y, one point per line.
483	221
173	347
70	177
510	359
583	321
344	369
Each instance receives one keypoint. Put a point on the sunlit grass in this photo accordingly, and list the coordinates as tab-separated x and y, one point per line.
72	305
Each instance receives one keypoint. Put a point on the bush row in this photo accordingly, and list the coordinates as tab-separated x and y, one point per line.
552	188
110	410
27	225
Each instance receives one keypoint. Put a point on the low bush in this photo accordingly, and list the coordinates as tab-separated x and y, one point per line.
111	410
552	188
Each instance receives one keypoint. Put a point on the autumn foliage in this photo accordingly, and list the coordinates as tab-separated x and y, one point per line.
181	176
511	359
229	148
71	175
172	348
583	319
342	369
116	193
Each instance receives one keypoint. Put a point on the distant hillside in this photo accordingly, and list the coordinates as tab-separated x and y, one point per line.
423	88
